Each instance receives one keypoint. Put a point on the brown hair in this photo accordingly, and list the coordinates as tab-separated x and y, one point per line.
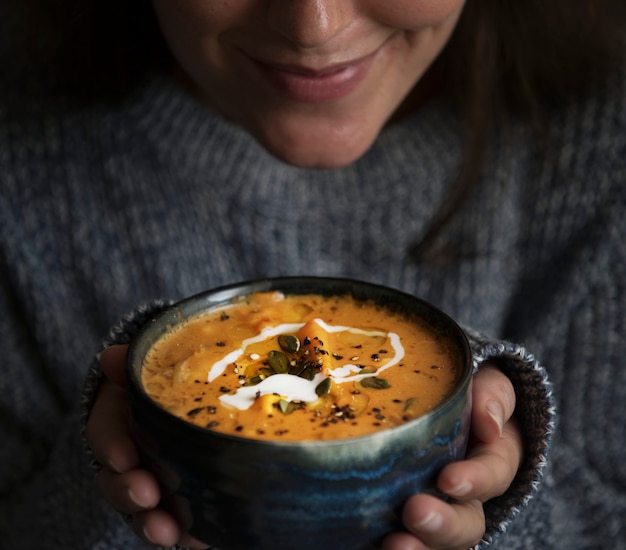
507	60
516	61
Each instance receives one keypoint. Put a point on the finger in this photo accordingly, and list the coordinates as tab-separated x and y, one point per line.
493	403
488	470
113	364
129	492
157	527
438	524
107	430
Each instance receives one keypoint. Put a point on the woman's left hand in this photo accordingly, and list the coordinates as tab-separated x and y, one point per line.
122	481
492	460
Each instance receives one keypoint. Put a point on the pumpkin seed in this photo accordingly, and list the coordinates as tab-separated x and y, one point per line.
375	383
278	361
308	373
289	343
255	380
323	388
287	407
409	403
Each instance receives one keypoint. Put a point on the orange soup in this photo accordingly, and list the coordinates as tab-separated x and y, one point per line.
299	367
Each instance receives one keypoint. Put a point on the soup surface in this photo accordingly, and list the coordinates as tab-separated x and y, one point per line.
299	367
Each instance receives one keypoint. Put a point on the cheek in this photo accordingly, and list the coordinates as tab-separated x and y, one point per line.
190	26
414	14
193	29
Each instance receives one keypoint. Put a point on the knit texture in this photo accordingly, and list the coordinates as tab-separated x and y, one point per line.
104	208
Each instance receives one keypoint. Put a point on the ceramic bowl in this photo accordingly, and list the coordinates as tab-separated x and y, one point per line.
241	494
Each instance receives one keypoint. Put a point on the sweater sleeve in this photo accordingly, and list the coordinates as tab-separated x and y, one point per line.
536	412
121	333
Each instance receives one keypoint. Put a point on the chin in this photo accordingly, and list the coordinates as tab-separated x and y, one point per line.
307	148
316	159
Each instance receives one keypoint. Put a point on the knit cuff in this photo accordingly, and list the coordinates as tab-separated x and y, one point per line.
536	412
121	333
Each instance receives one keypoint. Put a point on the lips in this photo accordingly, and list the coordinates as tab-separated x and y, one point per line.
316	85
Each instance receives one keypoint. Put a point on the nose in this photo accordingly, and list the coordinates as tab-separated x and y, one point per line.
309	23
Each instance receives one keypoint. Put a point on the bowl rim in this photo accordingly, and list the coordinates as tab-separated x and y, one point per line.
221	295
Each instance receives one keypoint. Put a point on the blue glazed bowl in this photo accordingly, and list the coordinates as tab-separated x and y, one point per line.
242	494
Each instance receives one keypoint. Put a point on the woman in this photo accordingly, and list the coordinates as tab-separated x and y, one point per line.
399	144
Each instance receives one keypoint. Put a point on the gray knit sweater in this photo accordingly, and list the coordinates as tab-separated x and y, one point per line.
104	208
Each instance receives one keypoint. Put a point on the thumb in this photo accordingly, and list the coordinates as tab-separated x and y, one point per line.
113	363
493	402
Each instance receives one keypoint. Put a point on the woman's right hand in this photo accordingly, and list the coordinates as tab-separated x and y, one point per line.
122	482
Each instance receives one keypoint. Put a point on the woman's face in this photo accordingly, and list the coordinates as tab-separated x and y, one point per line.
314	81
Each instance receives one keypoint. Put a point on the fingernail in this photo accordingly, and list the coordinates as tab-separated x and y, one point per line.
114	465
135	499
147	536
461	489
431	523
494	410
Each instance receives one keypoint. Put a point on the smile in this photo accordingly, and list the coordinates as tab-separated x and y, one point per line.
309	85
